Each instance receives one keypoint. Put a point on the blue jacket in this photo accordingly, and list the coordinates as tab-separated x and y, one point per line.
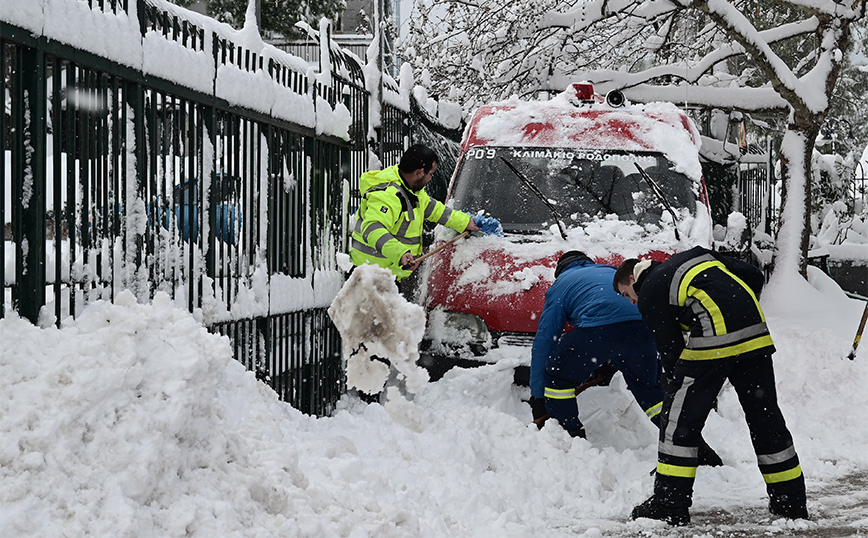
583	296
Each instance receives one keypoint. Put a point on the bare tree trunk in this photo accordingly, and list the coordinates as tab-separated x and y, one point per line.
791	250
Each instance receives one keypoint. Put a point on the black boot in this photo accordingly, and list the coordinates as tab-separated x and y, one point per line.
651	509
788	511
578	432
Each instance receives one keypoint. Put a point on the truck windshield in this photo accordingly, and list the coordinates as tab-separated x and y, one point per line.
581	184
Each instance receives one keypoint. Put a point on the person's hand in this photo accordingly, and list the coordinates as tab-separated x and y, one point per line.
538	409
408	262
604	374
471	226
488	225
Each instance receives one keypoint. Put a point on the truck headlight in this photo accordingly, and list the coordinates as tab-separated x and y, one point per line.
458	328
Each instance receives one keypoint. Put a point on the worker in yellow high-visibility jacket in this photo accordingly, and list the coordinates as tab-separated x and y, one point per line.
393	209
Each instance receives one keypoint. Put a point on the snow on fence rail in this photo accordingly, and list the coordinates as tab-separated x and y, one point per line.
149	148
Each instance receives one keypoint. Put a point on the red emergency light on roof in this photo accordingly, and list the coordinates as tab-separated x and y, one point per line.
584	92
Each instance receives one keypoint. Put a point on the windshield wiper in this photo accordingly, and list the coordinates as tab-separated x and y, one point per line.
658	192
534	189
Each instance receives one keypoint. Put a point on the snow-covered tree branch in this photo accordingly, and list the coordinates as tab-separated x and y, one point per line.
783	57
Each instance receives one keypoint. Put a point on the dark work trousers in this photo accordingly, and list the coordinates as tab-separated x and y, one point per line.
689	399
628	345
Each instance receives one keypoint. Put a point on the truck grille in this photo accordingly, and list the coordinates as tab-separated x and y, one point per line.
515	339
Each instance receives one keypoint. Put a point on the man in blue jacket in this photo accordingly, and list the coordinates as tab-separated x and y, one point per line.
609	335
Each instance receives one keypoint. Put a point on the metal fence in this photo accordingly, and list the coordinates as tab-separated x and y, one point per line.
756	195
117	178
858	190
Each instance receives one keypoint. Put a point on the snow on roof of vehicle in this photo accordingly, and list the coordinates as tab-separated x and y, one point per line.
559	122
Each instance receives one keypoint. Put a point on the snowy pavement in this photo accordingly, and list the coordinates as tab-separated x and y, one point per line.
135	421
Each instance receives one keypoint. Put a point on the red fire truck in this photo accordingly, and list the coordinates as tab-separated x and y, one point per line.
575	172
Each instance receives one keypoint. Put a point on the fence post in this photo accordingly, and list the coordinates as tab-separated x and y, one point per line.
770	188
134	94
28	183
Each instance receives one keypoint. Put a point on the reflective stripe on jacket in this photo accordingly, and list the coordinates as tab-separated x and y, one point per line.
714	299
390	220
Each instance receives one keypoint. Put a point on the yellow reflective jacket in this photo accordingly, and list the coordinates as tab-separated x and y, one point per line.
712	298
390	218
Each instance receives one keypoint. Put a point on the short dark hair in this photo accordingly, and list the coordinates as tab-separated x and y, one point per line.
418	156
622	274
567	259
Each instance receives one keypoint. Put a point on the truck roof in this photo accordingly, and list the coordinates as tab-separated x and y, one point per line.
559	122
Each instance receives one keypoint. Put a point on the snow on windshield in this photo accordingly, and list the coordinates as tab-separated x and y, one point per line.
496	266
527	188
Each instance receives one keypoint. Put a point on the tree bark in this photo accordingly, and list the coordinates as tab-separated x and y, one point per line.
791	250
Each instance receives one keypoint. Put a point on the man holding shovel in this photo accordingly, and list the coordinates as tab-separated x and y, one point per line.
608	336
715	300
388	233
394	208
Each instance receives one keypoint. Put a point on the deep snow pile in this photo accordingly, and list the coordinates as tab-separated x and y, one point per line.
375	321
134	421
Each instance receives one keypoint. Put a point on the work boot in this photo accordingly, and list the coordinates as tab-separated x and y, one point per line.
707	455
578	432
369	398
789	512
651	509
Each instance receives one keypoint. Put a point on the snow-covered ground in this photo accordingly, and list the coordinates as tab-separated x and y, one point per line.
134	421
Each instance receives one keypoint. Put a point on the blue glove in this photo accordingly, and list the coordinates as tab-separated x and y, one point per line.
489	225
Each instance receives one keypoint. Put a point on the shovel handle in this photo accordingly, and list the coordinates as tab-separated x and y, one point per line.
439	248
852	354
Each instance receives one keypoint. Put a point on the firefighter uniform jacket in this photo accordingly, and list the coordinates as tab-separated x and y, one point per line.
390	220
714	299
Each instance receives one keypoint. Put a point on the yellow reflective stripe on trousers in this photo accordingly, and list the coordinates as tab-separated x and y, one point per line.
654	410
728	351
783	476
676	470
560	394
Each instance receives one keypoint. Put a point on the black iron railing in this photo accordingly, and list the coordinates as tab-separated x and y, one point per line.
121	178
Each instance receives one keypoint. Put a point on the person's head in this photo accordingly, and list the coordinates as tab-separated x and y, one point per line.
568	258
624	280
417	166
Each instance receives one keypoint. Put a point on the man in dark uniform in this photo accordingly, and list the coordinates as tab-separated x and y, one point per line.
715	300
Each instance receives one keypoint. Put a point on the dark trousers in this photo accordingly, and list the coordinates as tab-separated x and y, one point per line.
689	399
628	345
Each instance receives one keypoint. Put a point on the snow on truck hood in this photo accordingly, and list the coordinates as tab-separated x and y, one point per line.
521	262
658	127
503	280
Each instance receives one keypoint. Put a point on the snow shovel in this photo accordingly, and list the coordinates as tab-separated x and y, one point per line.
439	248
861	328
